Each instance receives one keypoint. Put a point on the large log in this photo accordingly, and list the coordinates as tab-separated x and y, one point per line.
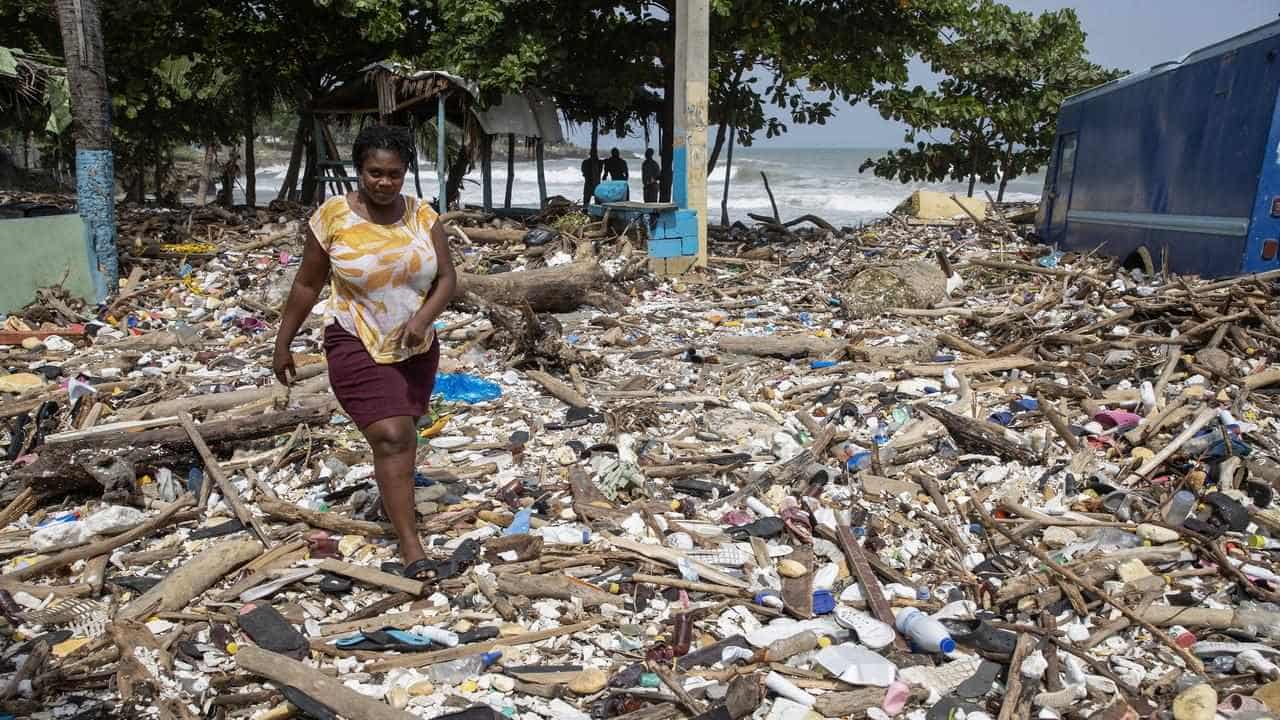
192	578
552	289
62	468
315	376
780	346
330	692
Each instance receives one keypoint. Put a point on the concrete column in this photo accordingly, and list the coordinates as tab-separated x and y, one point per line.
689	158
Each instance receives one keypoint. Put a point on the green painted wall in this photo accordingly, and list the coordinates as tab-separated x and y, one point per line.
38	252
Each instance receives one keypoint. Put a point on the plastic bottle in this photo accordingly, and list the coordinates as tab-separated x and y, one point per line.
780	650
439	636
789	690
760	508
769	598
565	535
1260	542
456	671
927	634
1251	661
682	635
1180	507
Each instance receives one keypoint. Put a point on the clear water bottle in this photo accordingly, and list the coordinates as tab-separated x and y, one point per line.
457	671
1180	507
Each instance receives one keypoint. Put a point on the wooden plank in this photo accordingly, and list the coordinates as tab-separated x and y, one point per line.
228	488
431	658
797	593
370	576
330	692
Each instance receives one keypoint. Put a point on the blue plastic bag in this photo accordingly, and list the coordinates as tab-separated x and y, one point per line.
461	387
611	191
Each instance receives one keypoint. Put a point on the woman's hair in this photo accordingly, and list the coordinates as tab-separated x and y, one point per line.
382	137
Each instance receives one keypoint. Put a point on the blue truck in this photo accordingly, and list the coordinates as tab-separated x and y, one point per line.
1175	166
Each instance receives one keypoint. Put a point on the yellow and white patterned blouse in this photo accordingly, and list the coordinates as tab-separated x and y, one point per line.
381	274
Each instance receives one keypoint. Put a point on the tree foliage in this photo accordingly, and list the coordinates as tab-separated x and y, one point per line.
991	118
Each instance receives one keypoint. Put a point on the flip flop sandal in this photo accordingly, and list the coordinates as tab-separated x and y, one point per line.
989	642
385	639
765	527
424	569
979	684
335	584
1259	492
271	631
306	704
392	567
136	583
227	528
1231	512
479	634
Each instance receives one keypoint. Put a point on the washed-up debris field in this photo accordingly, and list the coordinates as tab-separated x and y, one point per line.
905	470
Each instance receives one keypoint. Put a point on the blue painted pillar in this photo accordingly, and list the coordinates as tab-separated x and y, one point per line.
95	196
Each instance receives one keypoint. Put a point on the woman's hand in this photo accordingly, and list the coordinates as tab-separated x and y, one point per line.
282	365
415	331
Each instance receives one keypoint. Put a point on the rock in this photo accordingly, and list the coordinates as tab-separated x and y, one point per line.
420	688
1132	571
1060	537
20	382
792	569
430	493
428	508
398	697
502	683
1196	703
1156	534
1270	695
588	682
32	343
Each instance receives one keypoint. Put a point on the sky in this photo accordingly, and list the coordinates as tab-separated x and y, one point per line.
1127	34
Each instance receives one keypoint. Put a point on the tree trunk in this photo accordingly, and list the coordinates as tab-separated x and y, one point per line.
206	171
728	177
79	21
457	171
250	163
589	183
309	183
230	169
727	117
1004	171
288	189
973	180
552	289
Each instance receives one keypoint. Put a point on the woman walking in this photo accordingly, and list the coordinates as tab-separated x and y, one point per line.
387	261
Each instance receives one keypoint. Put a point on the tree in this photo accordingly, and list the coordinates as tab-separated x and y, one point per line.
91	127
992	116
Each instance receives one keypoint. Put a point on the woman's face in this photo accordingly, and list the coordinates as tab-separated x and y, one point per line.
382	176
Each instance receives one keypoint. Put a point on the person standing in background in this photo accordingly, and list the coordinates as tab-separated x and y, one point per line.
615	168
650	177
591	168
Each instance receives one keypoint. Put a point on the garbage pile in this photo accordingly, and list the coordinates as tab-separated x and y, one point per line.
905	470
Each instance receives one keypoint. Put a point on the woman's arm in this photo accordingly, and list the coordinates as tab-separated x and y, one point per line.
307	285
441	294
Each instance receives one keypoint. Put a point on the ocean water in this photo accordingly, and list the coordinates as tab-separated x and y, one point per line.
821	181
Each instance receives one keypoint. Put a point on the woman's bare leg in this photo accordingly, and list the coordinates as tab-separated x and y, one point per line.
395	443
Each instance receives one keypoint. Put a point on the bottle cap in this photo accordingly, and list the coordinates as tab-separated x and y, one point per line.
947	646
823	602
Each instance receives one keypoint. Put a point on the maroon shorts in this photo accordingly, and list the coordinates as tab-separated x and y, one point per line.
370	392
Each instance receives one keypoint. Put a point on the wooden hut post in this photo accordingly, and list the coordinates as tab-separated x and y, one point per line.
441	164
486	169
413	133
511	166
542	178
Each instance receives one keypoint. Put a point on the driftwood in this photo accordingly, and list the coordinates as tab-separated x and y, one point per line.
552	289
287	672
370	576
313	378
63	468
494	235
439	656
979	435
785	347
229	492
557	586
558	389
189	580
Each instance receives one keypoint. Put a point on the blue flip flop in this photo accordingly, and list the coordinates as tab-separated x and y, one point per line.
385	639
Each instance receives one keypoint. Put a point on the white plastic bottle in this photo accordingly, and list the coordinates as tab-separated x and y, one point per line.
565	535
927	634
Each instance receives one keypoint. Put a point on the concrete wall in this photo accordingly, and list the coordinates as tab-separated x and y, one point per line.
40	252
